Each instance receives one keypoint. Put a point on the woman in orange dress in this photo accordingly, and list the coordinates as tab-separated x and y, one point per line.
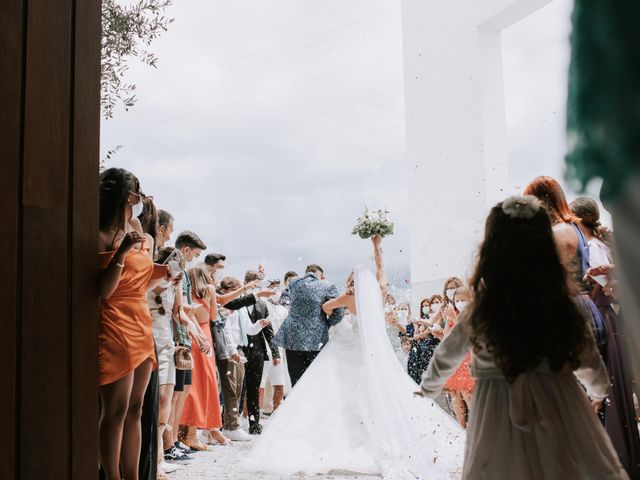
126	354
202	407
460	384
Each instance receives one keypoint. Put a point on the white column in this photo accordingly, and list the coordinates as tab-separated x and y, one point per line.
456	131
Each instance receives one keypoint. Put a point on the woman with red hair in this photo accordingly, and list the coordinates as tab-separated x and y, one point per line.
573	247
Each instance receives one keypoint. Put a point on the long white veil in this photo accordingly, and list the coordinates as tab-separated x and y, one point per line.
354	410
417	439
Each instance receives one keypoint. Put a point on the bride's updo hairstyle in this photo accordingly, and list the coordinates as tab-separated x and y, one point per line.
522	310
350	285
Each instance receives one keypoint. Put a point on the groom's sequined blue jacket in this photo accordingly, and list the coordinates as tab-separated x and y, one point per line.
307	327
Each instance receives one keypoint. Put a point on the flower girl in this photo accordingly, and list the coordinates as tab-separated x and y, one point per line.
530	418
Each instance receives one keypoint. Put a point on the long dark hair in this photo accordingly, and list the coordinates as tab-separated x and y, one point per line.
116	184
149	220
522	310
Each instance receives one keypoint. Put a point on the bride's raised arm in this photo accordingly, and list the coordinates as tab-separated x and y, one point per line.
381	275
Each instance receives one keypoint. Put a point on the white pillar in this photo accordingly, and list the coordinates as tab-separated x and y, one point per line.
456	131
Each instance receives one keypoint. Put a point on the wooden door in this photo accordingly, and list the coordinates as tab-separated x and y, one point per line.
49	149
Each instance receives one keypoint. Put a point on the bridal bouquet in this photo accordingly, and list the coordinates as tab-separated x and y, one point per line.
373	223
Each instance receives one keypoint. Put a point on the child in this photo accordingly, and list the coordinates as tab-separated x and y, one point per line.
530	418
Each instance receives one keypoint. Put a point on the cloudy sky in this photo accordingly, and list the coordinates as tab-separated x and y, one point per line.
268	126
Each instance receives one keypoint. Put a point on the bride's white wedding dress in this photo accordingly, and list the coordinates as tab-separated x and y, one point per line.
354	410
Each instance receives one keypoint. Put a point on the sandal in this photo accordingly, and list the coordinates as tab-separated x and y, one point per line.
190	439
216	437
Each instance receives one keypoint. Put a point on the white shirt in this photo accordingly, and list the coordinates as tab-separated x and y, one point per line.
277	315
599	253
232	328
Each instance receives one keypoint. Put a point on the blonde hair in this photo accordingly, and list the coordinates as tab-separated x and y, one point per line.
457	283
350	284
200	280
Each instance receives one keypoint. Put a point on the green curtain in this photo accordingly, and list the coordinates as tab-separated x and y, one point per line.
603	121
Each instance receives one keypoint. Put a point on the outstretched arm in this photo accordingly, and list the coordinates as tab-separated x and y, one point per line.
225	298
381	275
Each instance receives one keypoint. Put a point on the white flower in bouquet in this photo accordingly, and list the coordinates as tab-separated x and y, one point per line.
373	223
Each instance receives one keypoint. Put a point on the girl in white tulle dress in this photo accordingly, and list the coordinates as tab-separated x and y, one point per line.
354	409
530	418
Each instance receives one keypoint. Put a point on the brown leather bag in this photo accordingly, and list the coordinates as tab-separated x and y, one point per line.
183	358
182	355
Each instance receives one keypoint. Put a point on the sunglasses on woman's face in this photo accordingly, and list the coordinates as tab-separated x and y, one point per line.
158	300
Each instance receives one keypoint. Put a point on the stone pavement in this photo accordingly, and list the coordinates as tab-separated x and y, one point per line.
222	462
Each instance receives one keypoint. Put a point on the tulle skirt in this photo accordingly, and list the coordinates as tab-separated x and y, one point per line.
541	427
331	420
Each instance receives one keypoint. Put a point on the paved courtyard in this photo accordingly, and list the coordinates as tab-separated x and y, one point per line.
221	462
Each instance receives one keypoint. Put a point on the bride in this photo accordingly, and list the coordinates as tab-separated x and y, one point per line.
354	411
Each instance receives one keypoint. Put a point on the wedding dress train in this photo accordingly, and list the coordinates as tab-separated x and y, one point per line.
354	410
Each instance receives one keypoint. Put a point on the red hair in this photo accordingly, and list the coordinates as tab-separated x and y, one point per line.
550	193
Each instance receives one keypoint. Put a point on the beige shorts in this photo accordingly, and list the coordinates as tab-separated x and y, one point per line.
166	363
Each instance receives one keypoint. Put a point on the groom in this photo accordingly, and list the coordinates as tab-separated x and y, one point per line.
306	329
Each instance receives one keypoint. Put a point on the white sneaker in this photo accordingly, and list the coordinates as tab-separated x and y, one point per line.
244	423
237	435
169	467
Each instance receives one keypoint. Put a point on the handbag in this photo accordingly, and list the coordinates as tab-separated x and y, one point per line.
182	356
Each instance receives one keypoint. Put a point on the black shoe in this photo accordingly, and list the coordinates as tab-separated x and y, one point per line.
255	428
183	448
174	454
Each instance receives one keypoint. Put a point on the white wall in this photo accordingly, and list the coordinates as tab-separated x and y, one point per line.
456	132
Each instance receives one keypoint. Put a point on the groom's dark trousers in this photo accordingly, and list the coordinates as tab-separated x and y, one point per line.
298	362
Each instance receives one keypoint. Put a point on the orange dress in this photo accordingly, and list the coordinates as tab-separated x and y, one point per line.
125	335
202	406
461	380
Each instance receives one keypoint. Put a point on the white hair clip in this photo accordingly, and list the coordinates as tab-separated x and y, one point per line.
521	206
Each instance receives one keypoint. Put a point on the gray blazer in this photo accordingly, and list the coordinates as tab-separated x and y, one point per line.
307	326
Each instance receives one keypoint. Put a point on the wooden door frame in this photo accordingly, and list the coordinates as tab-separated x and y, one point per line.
49	146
